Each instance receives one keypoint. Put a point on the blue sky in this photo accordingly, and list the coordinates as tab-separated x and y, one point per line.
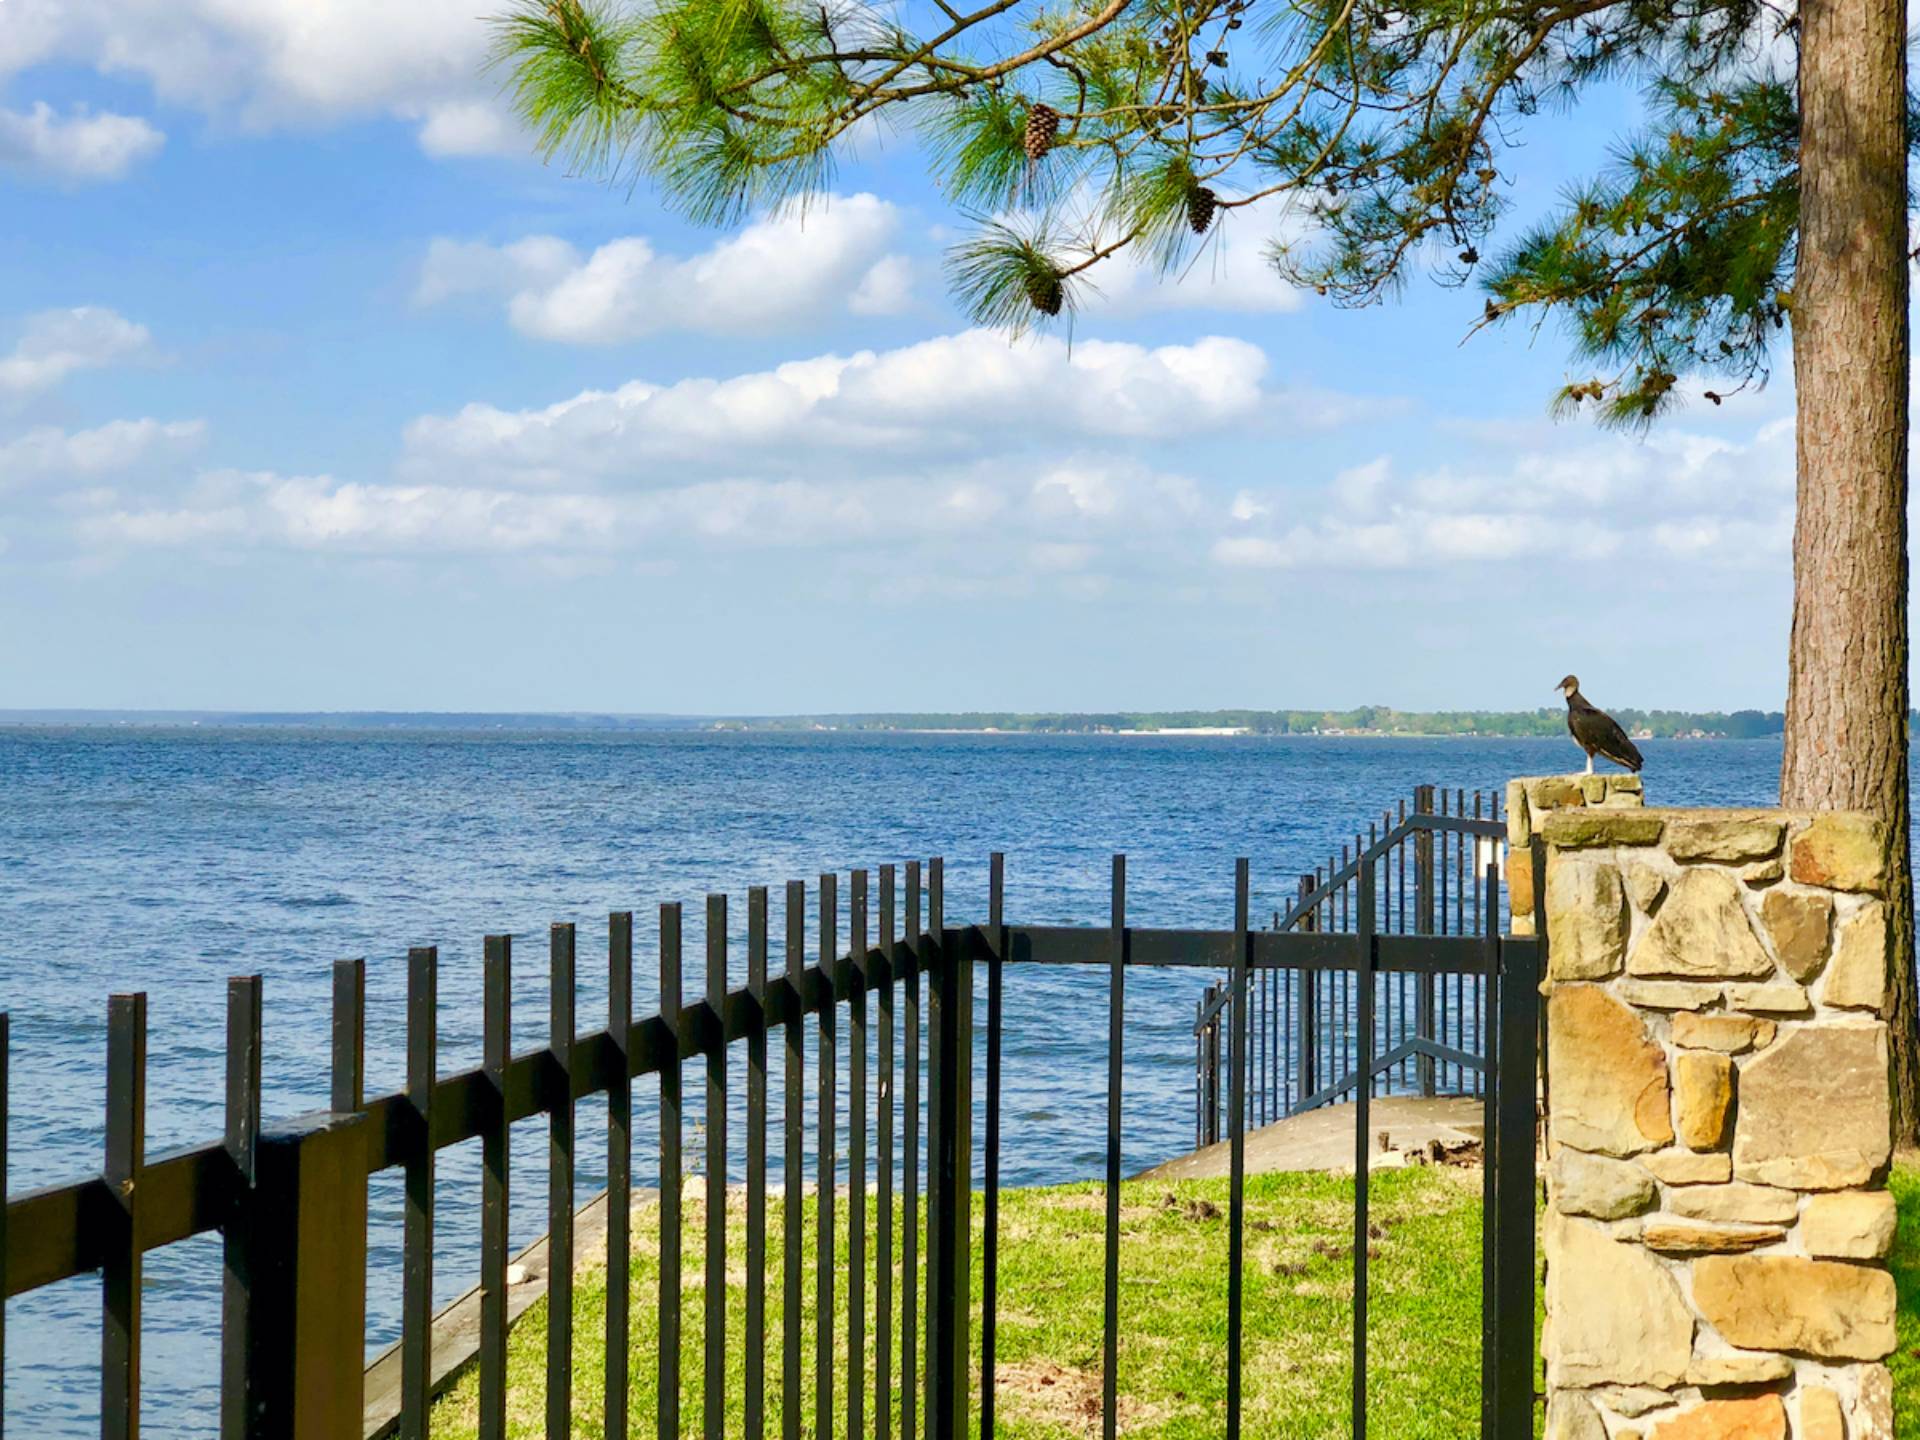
318	391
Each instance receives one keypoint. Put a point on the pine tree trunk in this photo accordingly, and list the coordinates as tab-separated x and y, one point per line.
1846	740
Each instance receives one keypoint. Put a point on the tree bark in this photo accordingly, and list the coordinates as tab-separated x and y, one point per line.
1846	732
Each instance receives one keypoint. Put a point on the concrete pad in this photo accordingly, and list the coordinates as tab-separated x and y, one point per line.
1323	1139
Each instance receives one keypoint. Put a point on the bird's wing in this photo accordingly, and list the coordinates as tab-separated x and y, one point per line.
1611	741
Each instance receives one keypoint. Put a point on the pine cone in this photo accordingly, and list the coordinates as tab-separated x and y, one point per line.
1201	203
1045	292
1043	123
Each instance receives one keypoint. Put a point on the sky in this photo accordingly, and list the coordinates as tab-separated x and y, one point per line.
320	391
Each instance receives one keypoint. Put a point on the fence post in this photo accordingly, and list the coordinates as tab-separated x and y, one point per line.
1305	1016
305	1346
949	1299
1423	906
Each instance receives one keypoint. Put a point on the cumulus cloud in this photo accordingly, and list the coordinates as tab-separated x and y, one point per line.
1682	494
957	394
78	148
1067	514
117	445
779	272
55	343
268	63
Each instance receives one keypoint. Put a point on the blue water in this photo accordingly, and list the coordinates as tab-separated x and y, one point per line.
167	860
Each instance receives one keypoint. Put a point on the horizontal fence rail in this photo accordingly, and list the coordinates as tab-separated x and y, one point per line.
290	1197
1426	860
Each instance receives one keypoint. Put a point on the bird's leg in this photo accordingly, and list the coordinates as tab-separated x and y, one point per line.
1589	764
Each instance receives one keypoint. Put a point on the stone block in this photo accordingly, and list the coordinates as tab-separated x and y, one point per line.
1703	1082
1646	888
1608	1077
1632	1401
1586	919
1873	1411
1683	1167
1668	994
1625	785
1814	1113
1780	999
1694	1237
1843	850
1820	1417
1554	792
1591	829
1571	1416
1849	1225
1728	839
1584	1184
1739	1367
1800	926
1520	882
1857	979
1618	1317
1729	1034
1821	1308
1593	789
1738	1202
1701	931
1754	1417
1519	823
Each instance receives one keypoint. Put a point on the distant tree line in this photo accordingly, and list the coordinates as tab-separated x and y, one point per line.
1368	719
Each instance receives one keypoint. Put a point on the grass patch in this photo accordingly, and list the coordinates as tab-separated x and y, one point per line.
1423	1341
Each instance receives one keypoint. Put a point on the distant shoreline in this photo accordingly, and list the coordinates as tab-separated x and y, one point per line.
1365	723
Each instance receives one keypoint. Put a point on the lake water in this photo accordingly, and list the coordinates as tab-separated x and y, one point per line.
167	860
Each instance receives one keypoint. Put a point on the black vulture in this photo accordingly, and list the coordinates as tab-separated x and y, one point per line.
1597	732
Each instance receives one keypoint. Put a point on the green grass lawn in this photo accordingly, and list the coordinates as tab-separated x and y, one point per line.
1423	1340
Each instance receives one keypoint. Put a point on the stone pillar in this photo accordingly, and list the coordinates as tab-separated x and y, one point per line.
1718	1126
1530	801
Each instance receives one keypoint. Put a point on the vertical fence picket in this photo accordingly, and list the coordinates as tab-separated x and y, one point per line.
6	1045
668	1409
826	1160
241	1139
560	1032
949	1170
910	1176
990	1237
793	1136
1116	1029
496	1046
120	1270
1363	975
713	1394
857	1155
349	1035
619	1170
1237	1143
1489	1193
883	1227
416	1241
754	1397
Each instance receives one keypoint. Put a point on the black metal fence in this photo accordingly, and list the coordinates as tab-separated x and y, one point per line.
290	1198
1428	857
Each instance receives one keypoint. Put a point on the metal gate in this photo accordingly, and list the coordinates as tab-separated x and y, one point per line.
290	1197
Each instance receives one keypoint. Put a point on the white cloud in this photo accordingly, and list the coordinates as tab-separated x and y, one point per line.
47	450
1713	498
959	394
1227	271
777	273
271	63
80	147
470	127
55	343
